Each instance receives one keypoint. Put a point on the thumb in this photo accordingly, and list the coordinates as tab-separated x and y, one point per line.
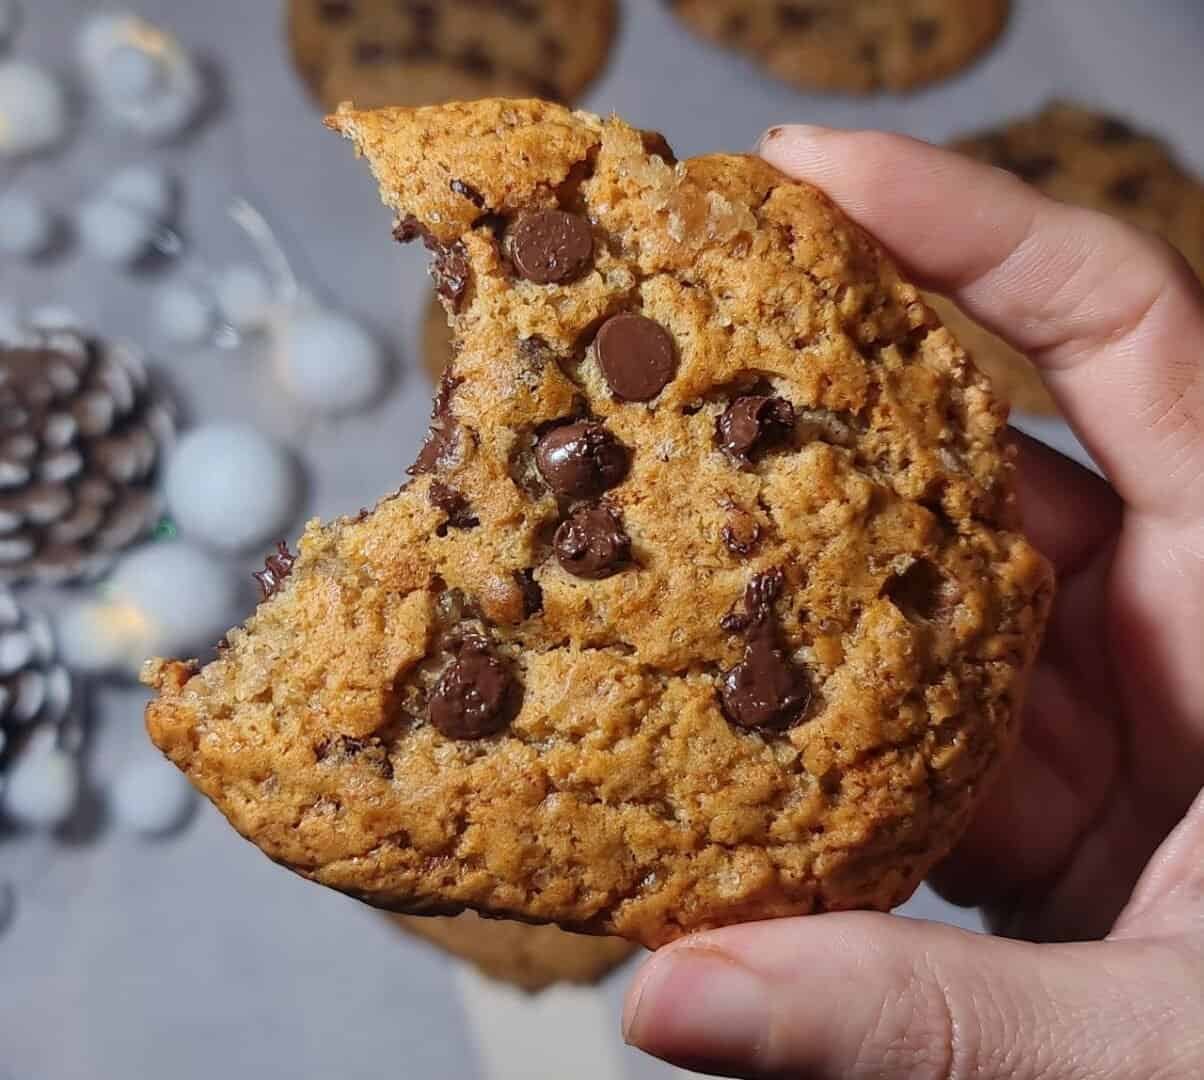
861	996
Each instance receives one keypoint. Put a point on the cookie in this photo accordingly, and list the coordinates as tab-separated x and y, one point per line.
529	957
420	52
853	46
704	601
436	340
1094	160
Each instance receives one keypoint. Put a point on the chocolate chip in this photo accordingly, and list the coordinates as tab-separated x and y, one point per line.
551	247
408	229
454	505
741	534
443	438
467	191
335	10
796	16
581	460
450	271
370	52
759	597
752	423
532	593
1112	130
766	689
655	143
591	544
924	33
1032	169
1129	189
636	355
276	568
476	696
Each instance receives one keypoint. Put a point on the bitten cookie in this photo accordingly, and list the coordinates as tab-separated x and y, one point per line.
706	600
422	52
1094	160
856	46
529	957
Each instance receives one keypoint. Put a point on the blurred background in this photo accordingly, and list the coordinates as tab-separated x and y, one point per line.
201	281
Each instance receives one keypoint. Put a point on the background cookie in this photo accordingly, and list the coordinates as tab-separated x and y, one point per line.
852	45
530	957
421	52
1089	159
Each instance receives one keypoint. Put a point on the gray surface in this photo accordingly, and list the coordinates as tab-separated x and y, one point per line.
197	957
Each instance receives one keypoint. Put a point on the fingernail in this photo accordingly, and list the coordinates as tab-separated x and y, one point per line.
698	1005
782	131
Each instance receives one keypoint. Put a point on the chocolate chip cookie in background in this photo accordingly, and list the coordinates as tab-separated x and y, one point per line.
1090	159
852	46
423	52
82	431
532	958
705	600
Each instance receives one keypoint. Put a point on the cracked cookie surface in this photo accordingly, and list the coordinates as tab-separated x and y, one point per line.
422	52
719	614
1089	159
855	46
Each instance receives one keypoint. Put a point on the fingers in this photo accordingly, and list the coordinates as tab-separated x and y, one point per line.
864	996
1068	511
1170	896
1115	320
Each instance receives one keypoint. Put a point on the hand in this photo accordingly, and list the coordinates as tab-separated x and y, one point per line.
1091	832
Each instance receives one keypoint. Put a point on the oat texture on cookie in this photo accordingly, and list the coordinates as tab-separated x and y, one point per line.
704	600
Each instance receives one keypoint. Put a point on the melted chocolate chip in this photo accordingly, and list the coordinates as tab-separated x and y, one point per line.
741	534
450	271
766	690
276	568
1032	169
753	423
454	505
581	460
450	268
551	247
443	438
1112	130
924	33
636	355
591	544
476	696
335	10
467	191
796	16
1129	189
532	593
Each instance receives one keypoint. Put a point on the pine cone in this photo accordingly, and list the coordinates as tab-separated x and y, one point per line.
34	689
81	435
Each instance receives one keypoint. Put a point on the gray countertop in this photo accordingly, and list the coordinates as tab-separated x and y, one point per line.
195	956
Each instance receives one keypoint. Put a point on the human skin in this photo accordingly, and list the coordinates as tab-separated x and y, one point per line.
1088	854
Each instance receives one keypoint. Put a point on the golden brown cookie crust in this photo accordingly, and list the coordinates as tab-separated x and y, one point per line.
620	797
1089	159
855	46
423	52
529	957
